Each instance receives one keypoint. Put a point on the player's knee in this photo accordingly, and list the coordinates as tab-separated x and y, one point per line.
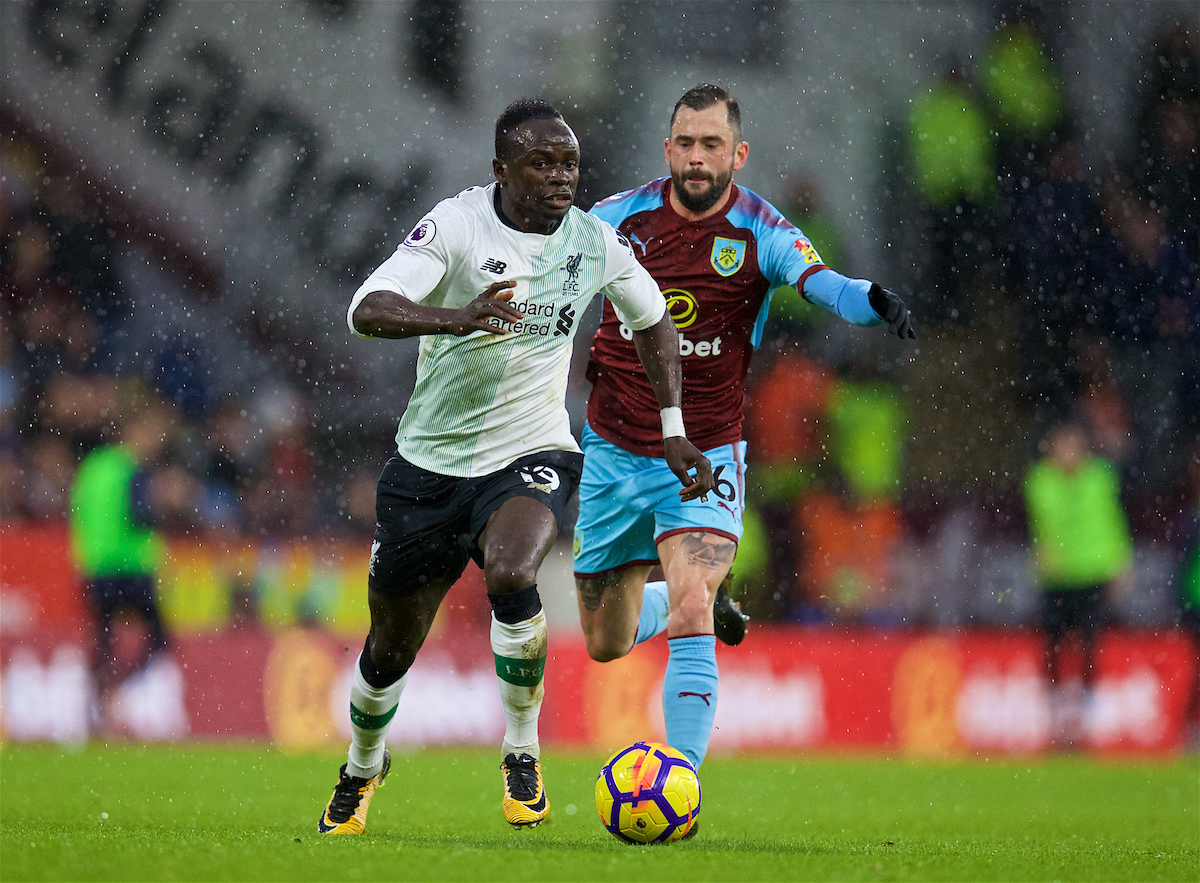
503	574
603	646
390	654
692	612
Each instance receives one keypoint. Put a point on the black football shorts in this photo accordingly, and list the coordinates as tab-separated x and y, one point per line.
427	524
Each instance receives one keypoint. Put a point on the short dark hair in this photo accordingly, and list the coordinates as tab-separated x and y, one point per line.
518	112
703	97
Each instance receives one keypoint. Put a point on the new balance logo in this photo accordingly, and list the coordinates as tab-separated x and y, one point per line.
703	696
492	265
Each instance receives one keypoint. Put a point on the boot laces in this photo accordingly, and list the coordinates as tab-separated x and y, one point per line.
346	796
522	776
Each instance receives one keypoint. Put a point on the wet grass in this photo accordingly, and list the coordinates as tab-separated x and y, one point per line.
249	813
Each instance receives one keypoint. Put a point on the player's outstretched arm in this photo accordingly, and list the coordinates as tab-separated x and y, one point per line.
391	315
860	301
892	310
658	349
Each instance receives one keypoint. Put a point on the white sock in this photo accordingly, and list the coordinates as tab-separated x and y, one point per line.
371	710
520	652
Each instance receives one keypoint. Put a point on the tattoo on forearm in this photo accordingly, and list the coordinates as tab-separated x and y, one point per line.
592	590
708	550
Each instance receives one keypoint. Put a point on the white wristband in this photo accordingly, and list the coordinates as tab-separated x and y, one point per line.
672	422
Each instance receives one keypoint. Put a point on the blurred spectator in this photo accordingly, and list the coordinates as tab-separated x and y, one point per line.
1168	166
78	408
46	476
1138	277
82	254
120	493
1104	411
826	460
179	374
867	428
1166	127
282	500
1054	224
787	402
231	462
25	272
356	505
953	158
846	556
1081	544
1172	69
1026	91
1167	170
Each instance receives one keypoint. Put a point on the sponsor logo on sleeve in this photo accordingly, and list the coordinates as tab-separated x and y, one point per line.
728	255
806	250
422	234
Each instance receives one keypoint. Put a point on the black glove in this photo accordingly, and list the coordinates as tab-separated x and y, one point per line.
892	310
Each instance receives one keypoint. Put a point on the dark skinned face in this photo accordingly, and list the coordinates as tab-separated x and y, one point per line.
538	175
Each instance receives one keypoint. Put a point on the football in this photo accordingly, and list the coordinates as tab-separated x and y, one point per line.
648	793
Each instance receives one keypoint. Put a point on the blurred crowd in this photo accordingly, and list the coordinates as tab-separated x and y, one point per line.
77	350
1046	292
1049	293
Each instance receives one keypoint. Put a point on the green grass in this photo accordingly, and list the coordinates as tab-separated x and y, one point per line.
216	813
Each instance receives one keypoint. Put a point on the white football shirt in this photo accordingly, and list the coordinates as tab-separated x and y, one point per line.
484	400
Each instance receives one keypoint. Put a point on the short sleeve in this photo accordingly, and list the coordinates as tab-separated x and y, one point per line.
786	255
418	264
632	291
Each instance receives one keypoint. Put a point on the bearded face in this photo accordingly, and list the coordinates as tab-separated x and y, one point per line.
697	189
703	152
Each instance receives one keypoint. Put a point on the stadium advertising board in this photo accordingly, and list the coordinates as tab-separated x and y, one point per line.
284	675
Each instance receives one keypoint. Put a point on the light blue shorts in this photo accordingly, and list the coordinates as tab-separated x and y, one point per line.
628	503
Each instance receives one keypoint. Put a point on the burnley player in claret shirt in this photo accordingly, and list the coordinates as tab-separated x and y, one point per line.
718	251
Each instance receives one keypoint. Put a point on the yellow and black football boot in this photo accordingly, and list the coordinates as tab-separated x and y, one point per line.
346	812
525	803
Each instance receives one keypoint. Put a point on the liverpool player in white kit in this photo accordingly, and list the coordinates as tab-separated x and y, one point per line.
493	281
717	251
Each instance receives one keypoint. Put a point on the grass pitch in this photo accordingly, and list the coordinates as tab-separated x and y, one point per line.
215	813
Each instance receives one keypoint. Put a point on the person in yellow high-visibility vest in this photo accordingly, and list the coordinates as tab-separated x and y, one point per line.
1081	543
